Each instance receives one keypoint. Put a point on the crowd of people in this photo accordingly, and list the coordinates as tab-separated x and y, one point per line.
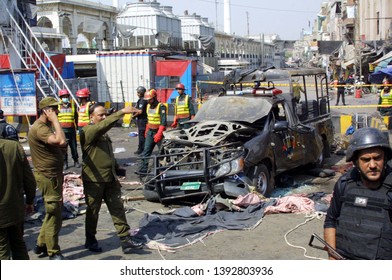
57	126
359	213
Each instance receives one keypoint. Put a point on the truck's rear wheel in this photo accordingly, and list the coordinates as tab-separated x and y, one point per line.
261	179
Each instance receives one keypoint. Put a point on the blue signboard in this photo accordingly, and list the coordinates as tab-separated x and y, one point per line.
17	93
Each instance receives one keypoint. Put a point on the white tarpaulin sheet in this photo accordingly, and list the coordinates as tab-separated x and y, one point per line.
92	25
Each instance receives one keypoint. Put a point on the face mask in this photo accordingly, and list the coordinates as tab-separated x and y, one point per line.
65	99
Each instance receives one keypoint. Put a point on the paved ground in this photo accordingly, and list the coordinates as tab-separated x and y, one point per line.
366	104
267	241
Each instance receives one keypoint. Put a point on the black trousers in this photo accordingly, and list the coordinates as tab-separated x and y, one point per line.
141	130
12	244
341	93
70	135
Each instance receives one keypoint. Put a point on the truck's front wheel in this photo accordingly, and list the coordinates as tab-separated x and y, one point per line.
261	179
150	195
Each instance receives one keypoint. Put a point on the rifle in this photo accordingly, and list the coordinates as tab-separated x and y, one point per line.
330	250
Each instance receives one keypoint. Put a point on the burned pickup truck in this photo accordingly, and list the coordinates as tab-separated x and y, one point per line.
237	144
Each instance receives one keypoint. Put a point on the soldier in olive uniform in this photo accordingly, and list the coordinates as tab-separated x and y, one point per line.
16	180
99	177
47	145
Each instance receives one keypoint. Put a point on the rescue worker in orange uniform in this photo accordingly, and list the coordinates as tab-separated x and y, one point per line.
68	117
183	108
83	112
156	125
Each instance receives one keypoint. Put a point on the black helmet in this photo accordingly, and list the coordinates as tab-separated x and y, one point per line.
141	90
368	137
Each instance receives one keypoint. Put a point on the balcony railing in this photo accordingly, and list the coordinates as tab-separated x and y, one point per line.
81	51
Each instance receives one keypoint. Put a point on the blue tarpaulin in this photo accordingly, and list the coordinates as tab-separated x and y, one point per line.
68	70
377	77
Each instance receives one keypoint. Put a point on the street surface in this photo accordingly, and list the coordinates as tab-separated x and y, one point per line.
265	242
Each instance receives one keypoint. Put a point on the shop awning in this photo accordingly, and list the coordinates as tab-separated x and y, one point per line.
348	63
386	58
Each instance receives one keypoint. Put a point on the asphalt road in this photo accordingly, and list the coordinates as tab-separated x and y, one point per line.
266	241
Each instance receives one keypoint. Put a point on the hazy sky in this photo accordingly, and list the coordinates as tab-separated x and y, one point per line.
284	17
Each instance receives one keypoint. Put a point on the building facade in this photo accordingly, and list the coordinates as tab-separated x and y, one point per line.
82	25
364	29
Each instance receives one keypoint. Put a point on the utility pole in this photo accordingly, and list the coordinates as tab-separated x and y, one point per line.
247	22
216	14
358	41
262	50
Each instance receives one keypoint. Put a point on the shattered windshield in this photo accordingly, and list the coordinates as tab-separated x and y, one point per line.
233	108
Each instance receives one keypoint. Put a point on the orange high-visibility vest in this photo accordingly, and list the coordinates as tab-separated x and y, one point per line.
154	116
84	115
66	116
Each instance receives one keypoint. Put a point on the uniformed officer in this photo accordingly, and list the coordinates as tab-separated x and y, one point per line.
99	177
16	180
141	118
183	108
7	130
47	144
386	100
297	89
68	117
156	114
340	92
83	112
358	222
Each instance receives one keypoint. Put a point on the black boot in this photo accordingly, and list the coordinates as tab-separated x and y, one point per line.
92	245
127	244
57	257
76	164
65	164
38	250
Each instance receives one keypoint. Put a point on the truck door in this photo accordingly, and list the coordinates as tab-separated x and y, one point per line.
288	153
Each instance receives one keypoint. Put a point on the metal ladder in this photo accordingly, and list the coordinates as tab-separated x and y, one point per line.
31	53
361	120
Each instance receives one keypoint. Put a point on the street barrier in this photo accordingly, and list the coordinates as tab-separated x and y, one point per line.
343	122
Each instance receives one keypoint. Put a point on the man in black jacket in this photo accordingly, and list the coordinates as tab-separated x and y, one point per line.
341	84
7	131
358	222
141	118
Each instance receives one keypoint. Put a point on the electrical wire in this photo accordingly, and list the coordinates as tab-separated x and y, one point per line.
308	218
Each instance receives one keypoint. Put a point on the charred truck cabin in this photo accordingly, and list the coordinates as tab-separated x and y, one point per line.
239	142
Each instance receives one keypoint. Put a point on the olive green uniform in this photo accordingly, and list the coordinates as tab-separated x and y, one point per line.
48	172
99	176
16	179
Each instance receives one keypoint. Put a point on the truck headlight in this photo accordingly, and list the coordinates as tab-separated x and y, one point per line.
230	168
